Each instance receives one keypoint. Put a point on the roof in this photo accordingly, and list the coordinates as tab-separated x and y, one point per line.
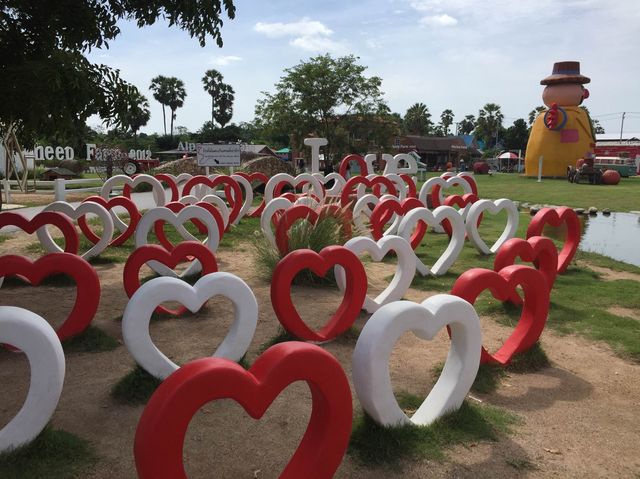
61	171
437	143
258	149
616	137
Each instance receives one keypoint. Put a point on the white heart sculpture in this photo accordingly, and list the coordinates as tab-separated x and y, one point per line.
275	205
285	177
492	207
37	339
215	200
156	185
435	218
338	182
443	183
361	189
364	206
400	184
248	196
405	269
137	314
177	220
376	341
74	213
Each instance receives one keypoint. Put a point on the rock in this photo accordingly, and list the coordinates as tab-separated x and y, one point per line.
593	210
579	211
606	211
526	205
533	210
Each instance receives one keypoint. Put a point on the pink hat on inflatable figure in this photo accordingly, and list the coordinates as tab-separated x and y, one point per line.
563	133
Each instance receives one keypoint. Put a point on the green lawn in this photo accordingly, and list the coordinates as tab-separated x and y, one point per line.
622	197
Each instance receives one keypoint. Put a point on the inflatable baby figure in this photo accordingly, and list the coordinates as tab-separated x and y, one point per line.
563	133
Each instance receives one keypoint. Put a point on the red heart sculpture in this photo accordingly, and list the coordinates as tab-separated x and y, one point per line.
176	207
502	285
232	191
352	183
461	201
383	212
288	218
261	178
555	217
435	192
364	169
413	192
354	294
538	250
85	277
175	194
146	253
126	203
60	221
160	435
335	210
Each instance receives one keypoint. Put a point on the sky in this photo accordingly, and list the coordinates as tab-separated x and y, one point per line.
448	54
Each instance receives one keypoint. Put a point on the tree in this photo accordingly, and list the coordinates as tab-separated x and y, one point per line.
467	125
160	88
417	120
533	114
224	108
489	124
176	95
596	127
317	97
446	119
517	135
48	84
137	114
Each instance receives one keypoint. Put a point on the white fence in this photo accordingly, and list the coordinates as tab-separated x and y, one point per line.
59	187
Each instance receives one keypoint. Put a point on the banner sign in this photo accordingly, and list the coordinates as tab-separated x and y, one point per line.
209	154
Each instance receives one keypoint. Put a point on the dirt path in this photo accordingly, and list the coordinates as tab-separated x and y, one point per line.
580	417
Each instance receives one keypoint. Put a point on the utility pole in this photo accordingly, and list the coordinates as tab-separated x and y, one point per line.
622	124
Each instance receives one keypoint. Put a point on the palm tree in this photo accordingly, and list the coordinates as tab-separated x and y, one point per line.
446	119
417	119
467	125
138	114
212	81
160	88
177	94
533	114
224	108
489	122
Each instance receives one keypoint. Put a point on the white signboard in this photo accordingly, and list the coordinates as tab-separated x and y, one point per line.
209	154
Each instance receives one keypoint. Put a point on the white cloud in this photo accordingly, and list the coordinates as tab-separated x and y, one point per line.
317	44
304	27
224	60
443	20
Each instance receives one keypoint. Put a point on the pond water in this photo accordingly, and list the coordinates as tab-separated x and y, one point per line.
616	236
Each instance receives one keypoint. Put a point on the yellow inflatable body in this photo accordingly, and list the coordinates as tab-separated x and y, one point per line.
560	148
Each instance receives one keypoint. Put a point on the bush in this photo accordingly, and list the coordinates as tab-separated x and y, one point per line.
480	168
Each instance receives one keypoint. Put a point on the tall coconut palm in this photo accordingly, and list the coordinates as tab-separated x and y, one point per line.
212	80
138	114
417	119
177	94
224	108
160	88
489	122
446	119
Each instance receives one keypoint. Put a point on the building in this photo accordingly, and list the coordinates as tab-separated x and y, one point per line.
623	146
436	151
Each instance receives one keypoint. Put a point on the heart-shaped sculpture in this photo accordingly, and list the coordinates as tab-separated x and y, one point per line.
248	196
60	221
405	268
352	184
371	377
126	231
556	217
364	207
345	165
401	186
538	250
277	182
493	207
288	218
162	428
502	285
434	187
176	207
386	209
338	182
412	191
85	277
137	314
434	218
88	208
107	187
269	216
215	200
469	178
173	181
463	202
185	250
261	178
319	263
177	219
39	342
232	190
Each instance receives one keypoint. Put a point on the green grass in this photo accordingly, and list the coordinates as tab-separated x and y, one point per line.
92	340
135	388
377	446
54	454
3	238
622	197
282	336
579	299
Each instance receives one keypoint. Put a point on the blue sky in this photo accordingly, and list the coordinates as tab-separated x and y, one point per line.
457	54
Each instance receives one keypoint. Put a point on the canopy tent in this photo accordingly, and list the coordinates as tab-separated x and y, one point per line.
284	150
